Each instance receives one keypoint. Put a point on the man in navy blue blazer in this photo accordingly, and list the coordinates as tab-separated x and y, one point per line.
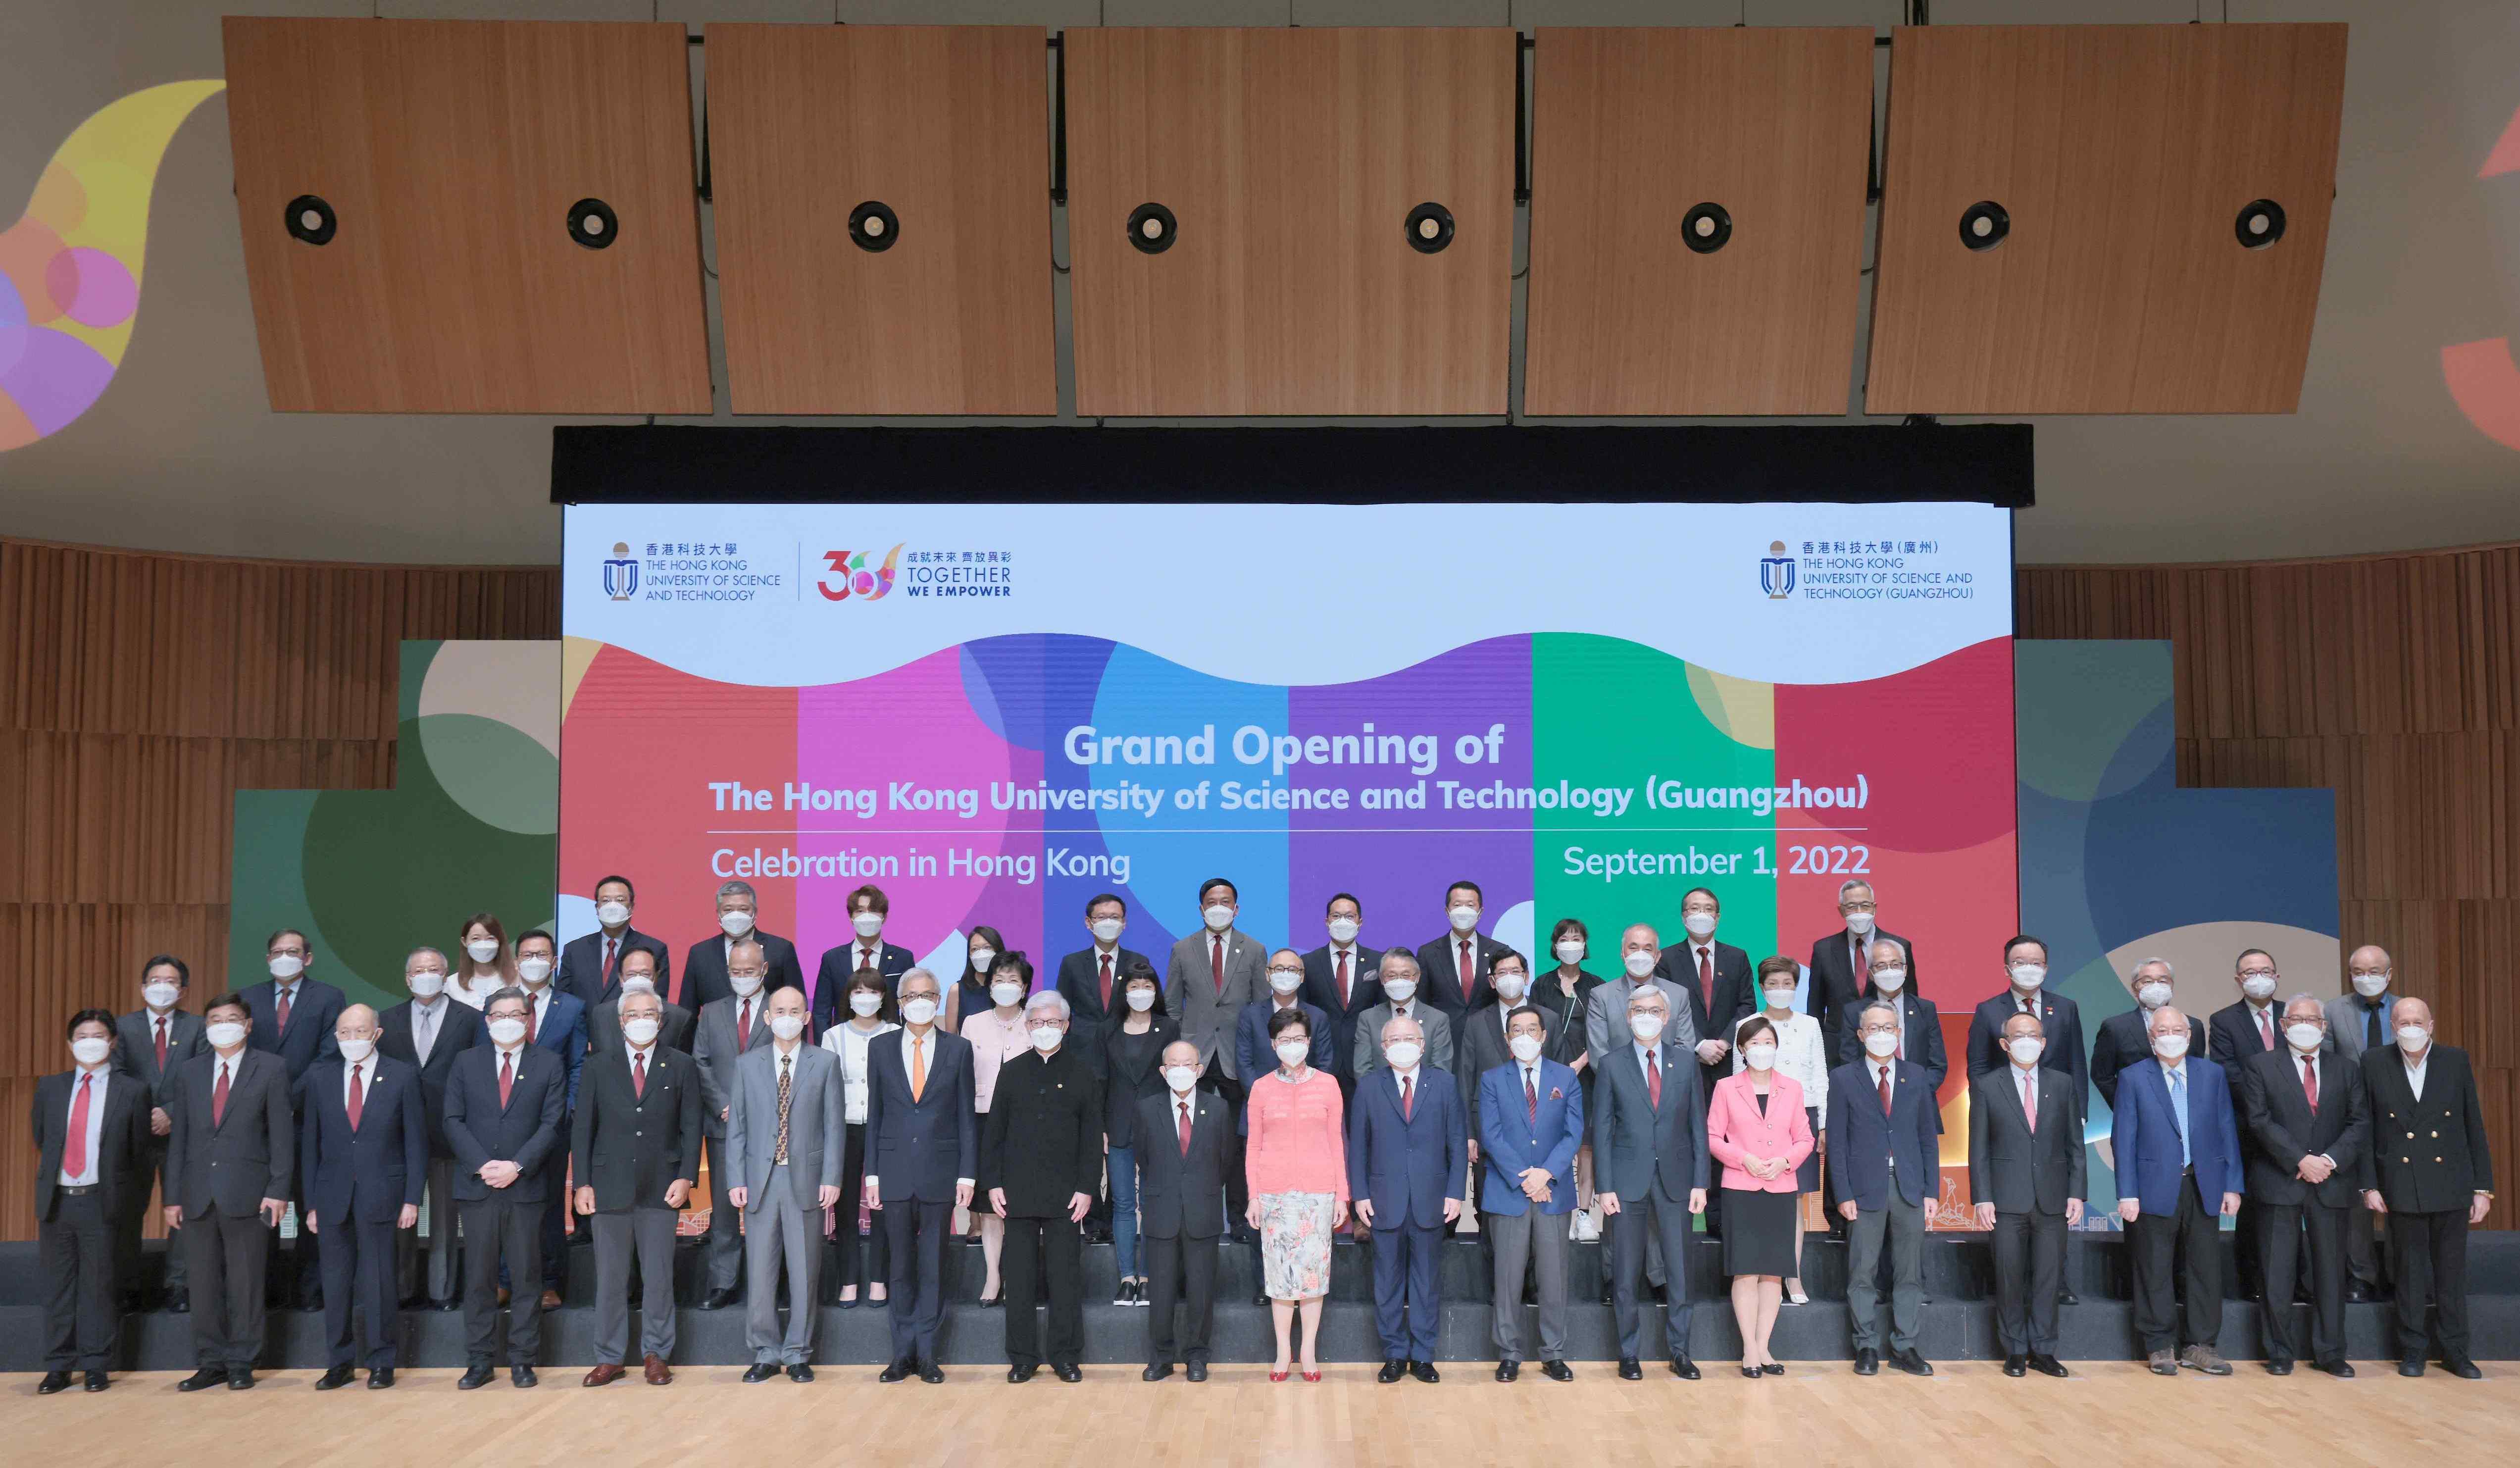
1251	1047
869	909
923	1144
1882	1124
1408	1168
363	1149
2177	1153
556	1022
1343	978
590	966
1531	1122
292	1018
507	1103
2025	967
705	965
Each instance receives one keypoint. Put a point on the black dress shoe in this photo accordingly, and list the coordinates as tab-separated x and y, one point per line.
1629	1371
338	1376
1068	1371
312	1303
1020	1374
1867	1362
1157	1373
240	1379
759	1371
2045	1364
2253	1294
54	1381
1261	1298
850	1303
2357	1293
2017	1365
2338	1369
2410	1367
2068	1297
1425	1371
1508	1370
798	1371
211	1376
523	1377
1609	1295
1752	1372
1772	1368
2279	1368
999	1301
896	1372
718	1299
416	1300
447	1306
2462	1368
181	1304
96	1382
1197	1371
1683	1369
476	1376
381	1379
1391	1371
1557	1370
1909	1361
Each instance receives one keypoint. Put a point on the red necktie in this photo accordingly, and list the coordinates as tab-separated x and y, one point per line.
612	956
1885	1090
219	1096
1345	994
162	1043
743	1026
1407	1094
358	1097
1184	1127
2310	1080
1467	971
1106	982
1705	979
283	1016
2029	1104
74	1145
530	1021
1216	961
507	1079
639	1075
1530	1099
1654	1081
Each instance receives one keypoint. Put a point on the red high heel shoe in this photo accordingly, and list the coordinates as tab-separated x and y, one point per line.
1277	1377
1312	1376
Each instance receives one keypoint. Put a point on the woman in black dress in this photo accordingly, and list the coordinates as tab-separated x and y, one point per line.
1566	993
970	993
1132	1067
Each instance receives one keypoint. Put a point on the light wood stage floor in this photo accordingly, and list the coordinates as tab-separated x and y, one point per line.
1968	1413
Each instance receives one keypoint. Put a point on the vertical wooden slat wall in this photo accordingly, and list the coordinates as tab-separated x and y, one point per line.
138	692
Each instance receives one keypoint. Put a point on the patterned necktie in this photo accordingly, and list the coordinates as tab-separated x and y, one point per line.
918	1067
358	1101
1530	1098
1884	1073
2029	1102
1654	1080
1106	982
74	1145
162	1042
219	1095
744	1026
1705	979
639	1075
283	1012
1216	961
1184	1108
423	1029
507	1079
779	1157
1408	1095
2310	1082
611	957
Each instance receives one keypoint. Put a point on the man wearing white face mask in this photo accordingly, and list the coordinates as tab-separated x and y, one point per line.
292	1018
426	1032
150	1044
1091	979
558	1023
1041	1159
2027	1174
633	1150
1252	1051
363	1153
1454	968
1209	977
2307	1109
1343	978
2125	1040
1605	1014
2177	1153
869	909
921	1132
2364	1017
92	1150
507	1112
1717	978
726	1029
2252	1024
784	1145
1649	1162
1403	998
641	973
1838	966
2025	967
1883	1168
1408	1171
590	966
231	1162
1530	1113
2431	1170
705	965
1487	1035
1181	1147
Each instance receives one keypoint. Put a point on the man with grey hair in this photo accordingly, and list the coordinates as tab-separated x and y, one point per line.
506	1109
724	1031
704	967
2126	1038
2364	1017
1041	1160
1884	1157
2027	1174
635	1149
1649	1164
785	1143
2178	1155
1605	1014
1840	962
921	1135
1404	997
2307	1108
426	1032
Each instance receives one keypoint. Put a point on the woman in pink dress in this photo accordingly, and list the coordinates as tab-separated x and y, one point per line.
1297	1164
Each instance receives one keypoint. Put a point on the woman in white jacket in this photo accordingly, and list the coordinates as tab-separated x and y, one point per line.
1802	1058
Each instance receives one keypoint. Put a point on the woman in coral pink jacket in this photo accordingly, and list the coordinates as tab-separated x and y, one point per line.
1755	1125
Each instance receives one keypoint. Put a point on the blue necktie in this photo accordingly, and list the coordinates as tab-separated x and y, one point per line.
2179	1113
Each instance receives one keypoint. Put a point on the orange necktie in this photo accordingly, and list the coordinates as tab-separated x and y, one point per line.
918	1069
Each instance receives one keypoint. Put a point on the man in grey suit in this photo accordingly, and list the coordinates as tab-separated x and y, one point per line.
2364	1018
1649	1164
1605	1015
150	1044
786	1134
231	1160
1404	997
1212	974
1487	1033
2026	1171
724	1031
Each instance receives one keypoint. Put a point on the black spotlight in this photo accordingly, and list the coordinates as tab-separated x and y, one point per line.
1151	228
1984	224
874	225
593	224
310	219
2261	224
1430	228
1706	228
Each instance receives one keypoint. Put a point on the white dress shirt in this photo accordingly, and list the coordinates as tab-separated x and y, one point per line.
1408	1080
869	953
427	1017
925	1046
2415	1071
97	1079
849	1044
366	1071
641	1056
1355	972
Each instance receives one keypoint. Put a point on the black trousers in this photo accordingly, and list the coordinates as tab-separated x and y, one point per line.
77	1249
1237	1191
501	1229
915	1240
358	1262
2281	1229
1034	1244
2249	1254
2029	1271
862	1259
292	1272
134	1218
2428	1257
1179	1269
2193	1241
226	1256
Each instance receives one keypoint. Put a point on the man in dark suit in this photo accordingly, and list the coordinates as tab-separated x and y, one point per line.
2364	1018
868	909
1882	1122
92	1150
2177	1155
363	1153
705	966
1530	1112
2252	1024
506	1110
1487	1035
1715	977
426	1032
292	1018
150	1044
924	1153
2307	1109
2431	1171
2125	1039
1209	977
230	1161
725	1030
1919	1025
1454	967
556	1022
1841	962
1253	1052
2025	965
638	976
1091	979
590	966
1343	979
1649	1168
1408	1168
1041	1158
1181	1211
2026	1171
635	1150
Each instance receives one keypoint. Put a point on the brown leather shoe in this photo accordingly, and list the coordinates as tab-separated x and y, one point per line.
658	1373
606	1375
551	1299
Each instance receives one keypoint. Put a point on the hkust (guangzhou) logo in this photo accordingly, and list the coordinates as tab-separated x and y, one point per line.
621	573
1776	572
855	577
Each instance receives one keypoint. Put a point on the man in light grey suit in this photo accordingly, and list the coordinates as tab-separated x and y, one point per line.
786	1134
1404	997
725	1030
1605	1015
1212	974
2363	1017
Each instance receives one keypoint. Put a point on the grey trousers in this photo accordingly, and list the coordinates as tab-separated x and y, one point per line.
777	1228
439	1273
1904	1223
722	1247
650	1232
1539	1239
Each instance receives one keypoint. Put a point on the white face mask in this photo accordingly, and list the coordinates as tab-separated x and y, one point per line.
1641	965
1219	917
160	996
1759	1057
2026	1051
2413	1037
1007	995
1700	924
1108	929
1046	1038
1858	923
355	1050
1292	1053
2029	975
533	970
1645	1027
919	1012
2169	1047
225	1035
1402	1053
91	1051
1343	930
737	924
482	950
427	983
786	1026
2304	1038
1889	980
2152	995
1881	1044
638	983
2259	987
868	924
1510	987
864	1003
1181	1078
1781	1000
2371	985
507	1032
640	1031
1571	951
1400	991
1464	918
982	958
288	966
745	985
1285	980
1525	1047
612	913
1141	1000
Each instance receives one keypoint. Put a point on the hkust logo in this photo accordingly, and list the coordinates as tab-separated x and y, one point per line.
855	577
621	573
1776	572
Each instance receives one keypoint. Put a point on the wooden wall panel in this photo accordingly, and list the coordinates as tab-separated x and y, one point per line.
2394	681
949	126
1631	129
451	152
138	693
2123	154
1292	160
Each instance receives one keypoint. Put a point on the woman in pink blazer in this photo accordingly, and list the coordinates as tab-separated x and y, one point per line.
1756	1127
